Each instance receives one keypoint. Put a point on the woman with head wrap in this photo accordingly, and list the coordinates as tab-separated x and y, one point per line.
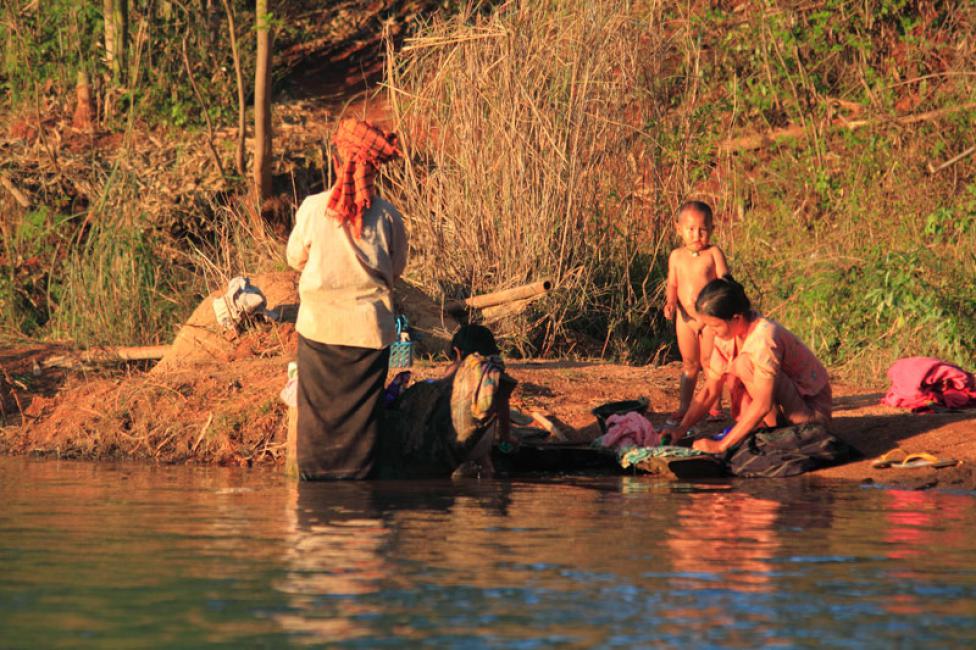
349	245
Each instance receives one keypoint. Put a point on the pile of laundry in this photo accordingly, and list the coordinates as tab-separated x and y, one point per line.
634	439
925	384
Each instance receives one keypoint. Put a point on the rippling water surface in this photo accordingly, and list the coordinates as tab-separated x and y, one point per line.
129	556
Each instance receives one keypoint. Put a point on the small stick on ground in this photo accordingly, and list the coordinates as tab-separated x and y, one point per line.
14	192
952	161
554	432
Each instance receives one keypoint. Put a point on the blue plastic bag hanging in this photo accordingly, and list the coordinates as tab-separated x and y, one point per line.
401	351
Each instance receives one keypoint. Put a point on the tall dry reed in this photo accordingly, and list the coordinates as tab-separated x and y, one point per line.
529	157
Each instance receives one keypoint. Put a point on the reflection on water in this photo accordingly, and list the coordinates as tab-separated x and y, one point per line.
730	535
334	547
131	556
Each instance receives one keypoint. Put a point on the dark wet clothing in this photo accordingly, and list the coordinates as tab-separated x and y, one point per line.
787	451
339	391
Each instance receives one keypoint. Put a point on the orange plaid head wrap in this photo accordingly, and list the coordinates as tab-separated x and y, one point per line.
362	148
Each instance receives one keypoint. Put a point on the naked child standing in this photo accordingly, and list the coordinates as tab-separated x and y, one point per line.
690	267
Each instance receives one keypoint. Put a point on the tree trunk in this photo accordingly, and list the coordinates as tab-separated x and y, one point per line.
116	16
262	105
111	54
240	160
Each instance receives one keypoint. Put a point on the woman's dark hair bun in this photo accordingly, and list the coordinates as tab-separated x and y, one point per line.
723	298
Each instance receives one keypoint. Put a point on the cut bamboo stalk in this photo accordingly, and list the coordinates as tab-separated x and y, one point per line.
106	355
498	312
500	297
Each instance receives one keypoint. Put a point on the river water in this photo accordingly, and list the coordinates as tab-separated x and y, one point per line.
134	556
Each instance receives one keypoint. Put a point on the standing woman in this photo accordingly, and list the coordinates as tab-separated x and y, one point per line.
350	245
774	378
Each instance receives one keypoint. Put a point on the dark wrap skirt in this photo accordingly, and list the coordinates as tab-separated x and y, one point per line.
339	396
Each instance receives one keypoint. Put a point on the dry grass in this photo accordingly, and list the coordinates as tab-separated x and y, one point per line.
555	139
529	158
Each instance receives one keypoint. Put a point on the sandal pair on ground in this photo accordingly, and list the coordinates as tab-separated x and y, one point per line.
898	458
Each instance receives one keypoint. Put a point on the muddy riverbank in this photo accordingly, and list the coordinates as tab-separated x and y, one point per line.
227	411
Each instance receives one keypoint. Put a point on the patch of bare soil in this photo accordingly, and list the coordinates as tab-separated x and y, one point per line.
874	429
224	413
214	399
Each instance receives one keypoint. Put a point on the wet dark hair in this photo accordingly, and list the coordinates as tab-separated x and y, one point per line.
700	207
474	338
723	298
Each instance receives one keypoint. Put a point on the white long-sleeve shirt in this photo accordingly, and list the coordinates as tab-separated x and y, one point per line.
346	284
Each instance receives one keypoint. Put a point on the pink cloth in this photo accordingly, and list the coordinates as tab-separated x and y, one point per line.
920	382
630	429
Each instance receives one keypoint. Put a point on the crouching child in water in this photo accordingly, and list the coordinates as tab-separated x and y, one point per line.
436	427
690	267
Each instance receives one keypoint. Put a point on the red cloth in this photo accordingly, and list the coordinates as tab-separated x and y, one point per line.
362	148
920	382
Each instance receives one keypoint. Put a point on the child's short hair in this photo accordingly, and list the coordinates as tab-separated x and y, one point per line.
723	298
474	338
700	207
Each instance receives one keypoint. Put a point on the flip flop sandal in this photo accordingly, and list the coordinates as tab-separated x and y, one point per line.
890	458
911	461
925	460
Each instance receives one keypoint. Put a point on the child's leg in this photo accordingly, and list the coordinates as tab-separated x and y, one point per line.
707	342
690	361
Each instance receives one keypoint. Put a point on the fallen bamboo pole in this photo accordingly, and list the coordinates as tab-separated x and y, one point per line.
498	312
759	140
501	297
106	355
